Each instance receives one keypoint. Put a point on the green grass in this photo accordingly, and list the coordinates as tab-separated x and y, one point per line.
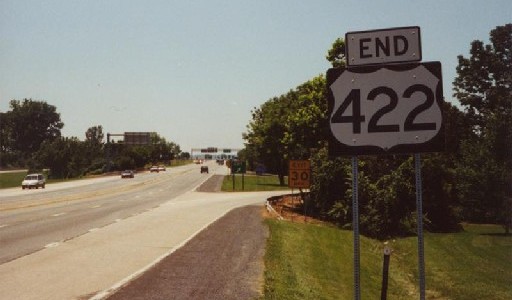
9	180
253	183
306	261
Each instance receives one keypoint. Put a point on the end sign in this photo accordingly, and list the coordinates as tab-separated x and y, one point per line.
383	46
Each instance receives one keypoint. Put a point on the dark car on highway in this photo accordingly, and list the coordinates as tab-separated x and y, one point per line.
204	169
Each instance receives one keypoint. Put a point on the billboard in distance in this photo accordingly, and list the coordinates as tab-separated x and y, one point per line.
137	138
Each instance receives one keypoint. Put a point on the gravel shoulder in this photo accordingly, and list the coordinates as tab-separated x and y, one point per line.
212	185
224	261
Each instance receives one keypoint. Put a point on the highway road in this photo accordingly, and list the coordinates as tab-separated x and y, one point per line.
78	239
31	220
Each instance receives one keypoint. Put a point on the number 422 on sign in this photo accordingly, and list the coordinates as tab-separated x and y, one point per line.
385	109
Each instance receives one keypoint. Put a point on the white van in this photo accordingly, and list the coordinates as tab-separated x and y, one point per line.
33	181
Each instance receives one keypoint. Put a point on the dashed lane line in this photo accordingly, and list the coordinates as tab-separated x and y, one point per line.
52	245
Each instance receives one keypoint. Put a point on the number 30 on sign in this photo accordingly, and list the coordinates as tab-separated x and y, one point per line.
385	109
299	174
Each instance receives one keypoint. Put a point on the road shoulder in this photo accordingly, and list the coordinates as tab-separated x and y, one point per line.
224	261
212	185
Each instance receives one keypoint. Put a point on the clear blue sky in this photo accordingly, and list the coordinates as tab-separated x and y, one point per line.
193	70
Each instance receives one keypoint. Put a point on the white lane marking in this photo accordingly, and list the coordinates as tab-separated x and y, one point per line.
52	245
95	206
93	229
118	220
4	225
59	214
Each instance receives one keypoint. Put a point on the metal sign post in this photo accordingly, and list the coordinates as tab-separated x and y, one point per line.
419	216
238	167
385	274
355	225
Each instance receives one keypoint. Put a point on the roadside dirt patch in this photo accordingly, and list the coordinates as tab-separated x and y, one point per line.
290	207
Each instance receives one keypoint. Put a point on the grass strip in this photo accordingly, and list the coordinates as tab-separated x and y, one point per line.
12	179
253	183
305	261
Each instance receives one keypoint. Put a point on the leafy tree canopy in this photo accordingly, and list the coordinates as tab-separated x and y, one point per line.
336	55
28	124
484	88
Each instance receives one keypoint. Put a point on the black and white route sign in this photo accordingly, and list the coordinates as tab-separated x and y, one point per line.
385	109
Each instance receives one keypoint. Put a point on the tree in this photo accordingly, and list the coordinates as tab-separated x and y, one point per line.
330	180
27	125
161	150
64	156
305	125
94	149
265	134
484	88
94	135
336	55
484	81
6	154
288	127
183	155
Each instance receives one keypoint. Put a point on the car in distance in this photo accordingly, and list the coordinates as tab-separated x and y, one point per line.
154	169
33	181
204	169
127	174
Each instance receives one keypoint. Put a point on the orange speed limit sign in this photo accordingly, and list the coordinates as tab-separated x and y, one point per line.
299	174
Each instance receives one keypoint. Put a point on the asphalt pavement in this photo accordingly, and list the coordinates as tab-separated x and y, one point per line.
106	258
